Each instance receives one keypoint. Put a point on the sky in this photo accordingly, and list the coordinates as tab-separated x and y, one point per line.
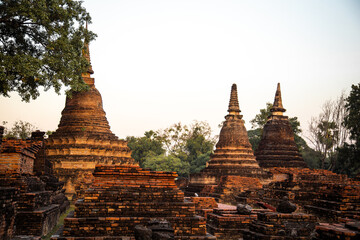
160	62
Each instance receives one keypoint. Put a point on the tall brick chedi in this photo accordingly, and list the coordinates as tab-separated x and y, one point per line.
233	154
277	147
83	138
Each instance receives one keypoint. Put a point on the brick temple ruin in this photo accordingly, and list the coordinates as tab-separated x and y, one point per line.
320	195
31	198
330	196
123	197
84	139
114	195
277	146
116	199
232	166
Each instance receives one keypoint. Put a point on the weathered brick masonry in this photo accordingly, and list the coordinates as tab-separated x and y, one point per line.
32	204
233	156
84	139
123	196
277	146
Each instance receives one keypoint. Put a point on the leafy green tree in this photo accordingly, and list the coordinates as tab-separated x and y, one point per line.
199	148
352	119
191	144
254	137
349	154
41	45
142	147
167	163
260	119
20	130
348	160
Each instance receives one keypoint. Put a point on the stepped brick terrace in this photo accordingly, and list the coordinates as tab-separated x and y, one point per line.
122	197
273	225
331	197
31	202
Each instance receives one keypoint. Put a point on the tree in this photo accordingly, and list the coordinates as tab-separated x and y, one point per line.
327	132
348	160
167	163
20	130
191	144
199	146
349	153
41	45
260	119
254	137
142	147
352	119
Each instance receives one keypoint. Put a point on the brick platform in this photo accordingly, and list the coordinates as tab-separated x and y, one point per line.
38	222
122	197
281	226
348	231
32	204
227	224
329	196
203	205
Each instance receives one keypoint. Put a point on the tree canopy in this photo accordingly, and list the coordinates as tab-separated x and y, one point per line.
352	119
143	147
20	130
327	131
41	45
348	160
181	148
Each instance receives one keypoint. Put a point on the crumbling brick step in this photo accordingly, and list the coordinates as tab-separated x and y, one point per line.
160	209
38	222
124	226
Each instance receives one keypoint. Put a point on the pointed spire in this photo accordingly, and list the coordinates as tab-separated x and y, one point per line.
86	54
277	108
234	103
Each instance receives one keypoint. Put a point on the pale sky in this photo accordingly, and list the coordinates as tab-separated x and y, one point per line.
161	62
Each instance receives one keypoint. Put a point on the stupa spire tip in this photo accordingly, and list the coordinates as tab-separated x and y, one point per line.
234	103
86	51
277	108
86	54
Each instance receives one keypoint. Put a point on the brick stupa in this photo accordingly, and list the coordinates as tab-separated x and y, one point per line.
277	147
83	138
233	155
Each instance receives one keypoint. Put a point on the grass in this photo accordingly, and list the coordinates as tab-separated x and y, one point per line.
60	223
